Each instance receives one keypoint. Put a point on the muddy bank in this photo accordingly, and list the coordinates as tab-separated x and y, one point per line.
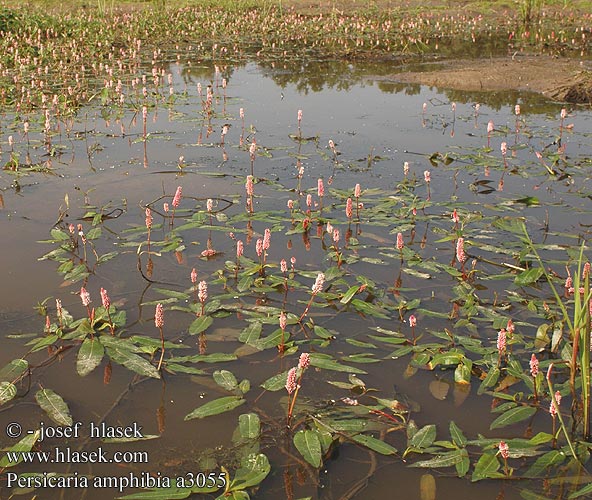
561	79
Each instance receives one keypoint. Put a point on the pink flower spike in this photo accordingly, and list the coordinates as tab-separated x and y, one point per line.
249	185
193	276
239	249
267	239
283	320
460	250
320	188
202	291
284	266
552	408
400	243
490	127
357	191
534	365
412	321
349	208
455	217
318	284
85	297
159	316
517	109
427	176
510	326
165	207
105	299
259	247
501	341
148	218
504	450
177	197
304	361
291	381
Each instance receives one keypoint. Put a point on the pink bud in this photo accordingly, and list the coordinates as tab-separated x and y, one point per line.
357	191
159	316
177	197
105	299
239	249
400	243
193	276
490	127
412	321
320	188
85	297
304	361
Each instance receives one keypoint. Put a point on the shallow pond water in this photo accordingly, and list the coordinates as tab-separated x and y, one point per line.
103	166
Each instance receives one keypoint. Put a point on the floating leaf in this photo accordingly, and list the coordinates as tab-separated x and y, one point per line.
424	437
200	324
14	370
55	407
23	446
457	435
7	391
448	459
225	379
251	333
545	462
330	364
255	469
486	467
215	407
513	416
90	356
249	425
349	294
529	277
374	444
276	382
308	444
133	362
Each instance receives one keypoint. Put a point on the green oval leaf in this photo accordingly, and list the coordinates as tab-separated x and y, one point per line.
276	382
308	444
89	357
24	445
249	425
132	362
13	370
254	470
201	324
215	407
7	392
424	437
225	379
512	416
486	467
375	444
55	407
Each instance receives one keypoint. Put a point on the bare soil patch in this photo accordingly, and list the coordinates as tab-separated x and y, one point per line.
562	79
